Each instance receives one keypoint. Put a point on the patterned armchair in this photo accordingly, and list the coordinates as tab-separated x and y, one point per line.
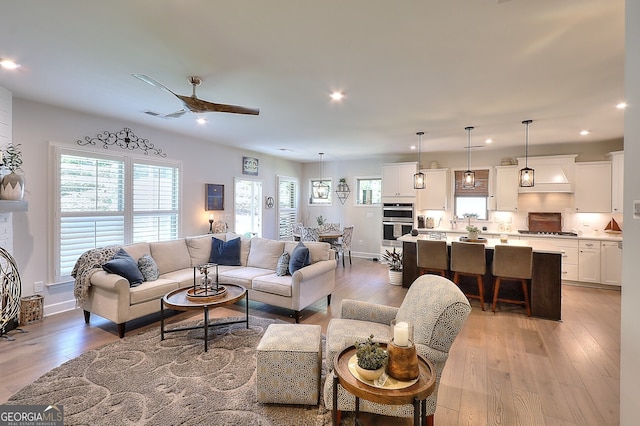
438	310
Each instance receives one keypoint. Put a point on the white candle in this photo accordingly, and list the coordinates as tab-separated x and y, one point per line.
401	334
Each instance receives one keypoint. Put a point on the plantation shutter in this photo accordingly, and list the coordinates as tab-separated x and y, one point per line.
155	202
91	204
287	207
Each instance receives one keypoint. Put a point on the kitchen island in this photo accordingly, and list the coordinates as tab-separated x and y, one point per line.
545	289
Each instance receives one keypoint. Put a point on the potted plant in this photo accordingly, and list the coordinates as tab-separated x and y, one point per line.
472	232
372	359
320	220
12	186
394	260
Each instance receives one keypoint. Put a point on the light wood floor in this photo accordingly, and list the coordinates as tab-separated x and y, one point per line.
504	369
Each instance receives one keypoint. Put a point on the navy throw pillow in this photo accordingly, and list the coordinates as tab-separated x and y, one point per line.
225	252
124	265
299	258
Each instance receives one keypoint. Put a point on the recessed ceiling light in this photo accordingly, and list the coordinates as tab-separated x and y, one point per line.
584	132
621	105
9	64
336	96
413	147
201	120
488	140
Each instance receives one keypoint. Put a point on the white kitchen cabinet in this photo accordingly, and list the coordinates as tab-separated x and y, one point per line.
617	181
434	196
507	188
569	249
397	180
593	187
589	261
611	262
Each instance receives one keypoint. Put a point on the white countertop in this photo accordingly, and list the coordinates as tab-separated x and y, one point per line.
601	236
539	245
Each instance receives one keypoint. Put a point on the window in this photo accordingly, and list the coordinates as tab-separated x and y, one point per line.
472	201
313	199
99	205
368	191
248	207
287	206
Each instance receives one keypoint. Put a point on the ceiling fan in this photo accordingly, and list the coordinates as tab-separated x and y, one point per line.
192	103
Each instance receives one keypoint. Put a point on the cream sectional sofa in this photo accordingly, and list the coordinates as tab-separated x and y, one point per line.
110	295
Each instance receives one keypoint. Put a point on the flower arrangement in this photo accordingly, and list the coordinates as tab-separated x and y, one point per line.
394	259
12	157
370	355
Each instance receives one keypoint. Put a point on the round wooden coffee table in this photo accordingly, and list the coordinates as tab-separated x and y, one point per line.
415	394
178	300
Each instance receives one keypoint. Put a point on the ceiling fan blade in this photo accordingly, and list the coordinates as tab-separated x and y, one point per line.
177	114
198	106
152	82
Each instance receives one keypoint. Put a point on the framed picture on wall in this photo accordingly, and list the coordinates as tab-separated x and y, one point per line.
250	166
214	196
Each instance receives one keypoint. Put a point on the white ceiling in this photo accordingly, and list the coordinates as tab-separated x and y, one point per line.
405	66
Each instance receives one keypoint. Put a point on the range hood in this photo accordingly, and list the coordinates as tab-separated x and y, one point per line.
552	174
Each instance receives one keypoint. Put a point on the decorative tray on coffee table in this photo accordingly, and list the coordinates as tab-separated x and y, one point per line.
206	294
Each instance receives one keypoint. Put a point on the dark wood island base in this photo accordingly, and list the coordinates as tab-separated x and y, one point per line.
545	290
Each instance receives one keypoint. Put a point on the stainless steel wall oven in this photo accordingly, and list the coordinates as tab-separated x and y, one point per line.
397	220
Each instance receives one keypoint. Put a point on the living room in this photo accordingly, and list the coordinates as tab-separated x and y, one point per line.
37	125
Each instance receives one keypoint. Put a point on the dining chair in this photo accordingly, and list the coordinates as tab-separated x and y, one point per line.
296	230
433	257
333	227
345	243
512	263
468	259
309	234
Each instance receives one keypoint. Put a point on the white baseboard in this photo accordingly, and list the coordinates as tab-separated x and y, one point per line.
58	308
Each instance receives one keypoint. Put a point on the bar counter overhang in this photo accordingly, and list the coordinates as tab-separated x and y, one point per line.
545	289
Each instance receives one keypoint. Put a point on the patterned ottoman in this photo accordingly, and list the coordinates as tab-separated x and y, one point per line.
288	362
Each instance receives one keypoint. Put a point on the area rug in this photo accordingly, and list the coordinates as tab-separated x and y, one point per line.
142	380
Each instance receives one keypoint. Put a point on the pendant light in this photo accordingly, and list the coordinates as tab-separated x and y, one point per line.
321	189
419	181
469	179
526	174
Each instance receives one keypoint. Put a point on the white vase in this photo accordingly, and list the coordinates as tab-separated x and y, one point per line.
472	235
395	277
12	187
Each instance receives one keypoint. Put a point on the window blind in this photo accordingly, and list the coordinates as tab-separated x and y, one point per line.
481	188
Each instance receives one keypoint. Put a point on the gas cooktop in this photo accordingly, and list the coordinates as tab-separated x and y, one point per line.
567	234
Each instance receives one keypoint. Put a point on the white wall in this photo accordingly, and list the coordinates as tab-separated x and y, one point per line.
35	125
630	348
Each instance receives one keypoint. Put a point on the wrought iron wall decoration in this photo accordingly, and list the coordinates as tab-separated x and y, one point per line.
124	139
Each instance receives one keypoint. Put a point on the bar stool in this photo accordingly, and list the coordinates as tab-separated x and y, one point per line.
512	263
469	259
433	257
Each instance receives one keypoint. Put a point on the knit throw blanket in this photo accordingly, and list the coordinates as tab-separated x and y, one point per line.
88	263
